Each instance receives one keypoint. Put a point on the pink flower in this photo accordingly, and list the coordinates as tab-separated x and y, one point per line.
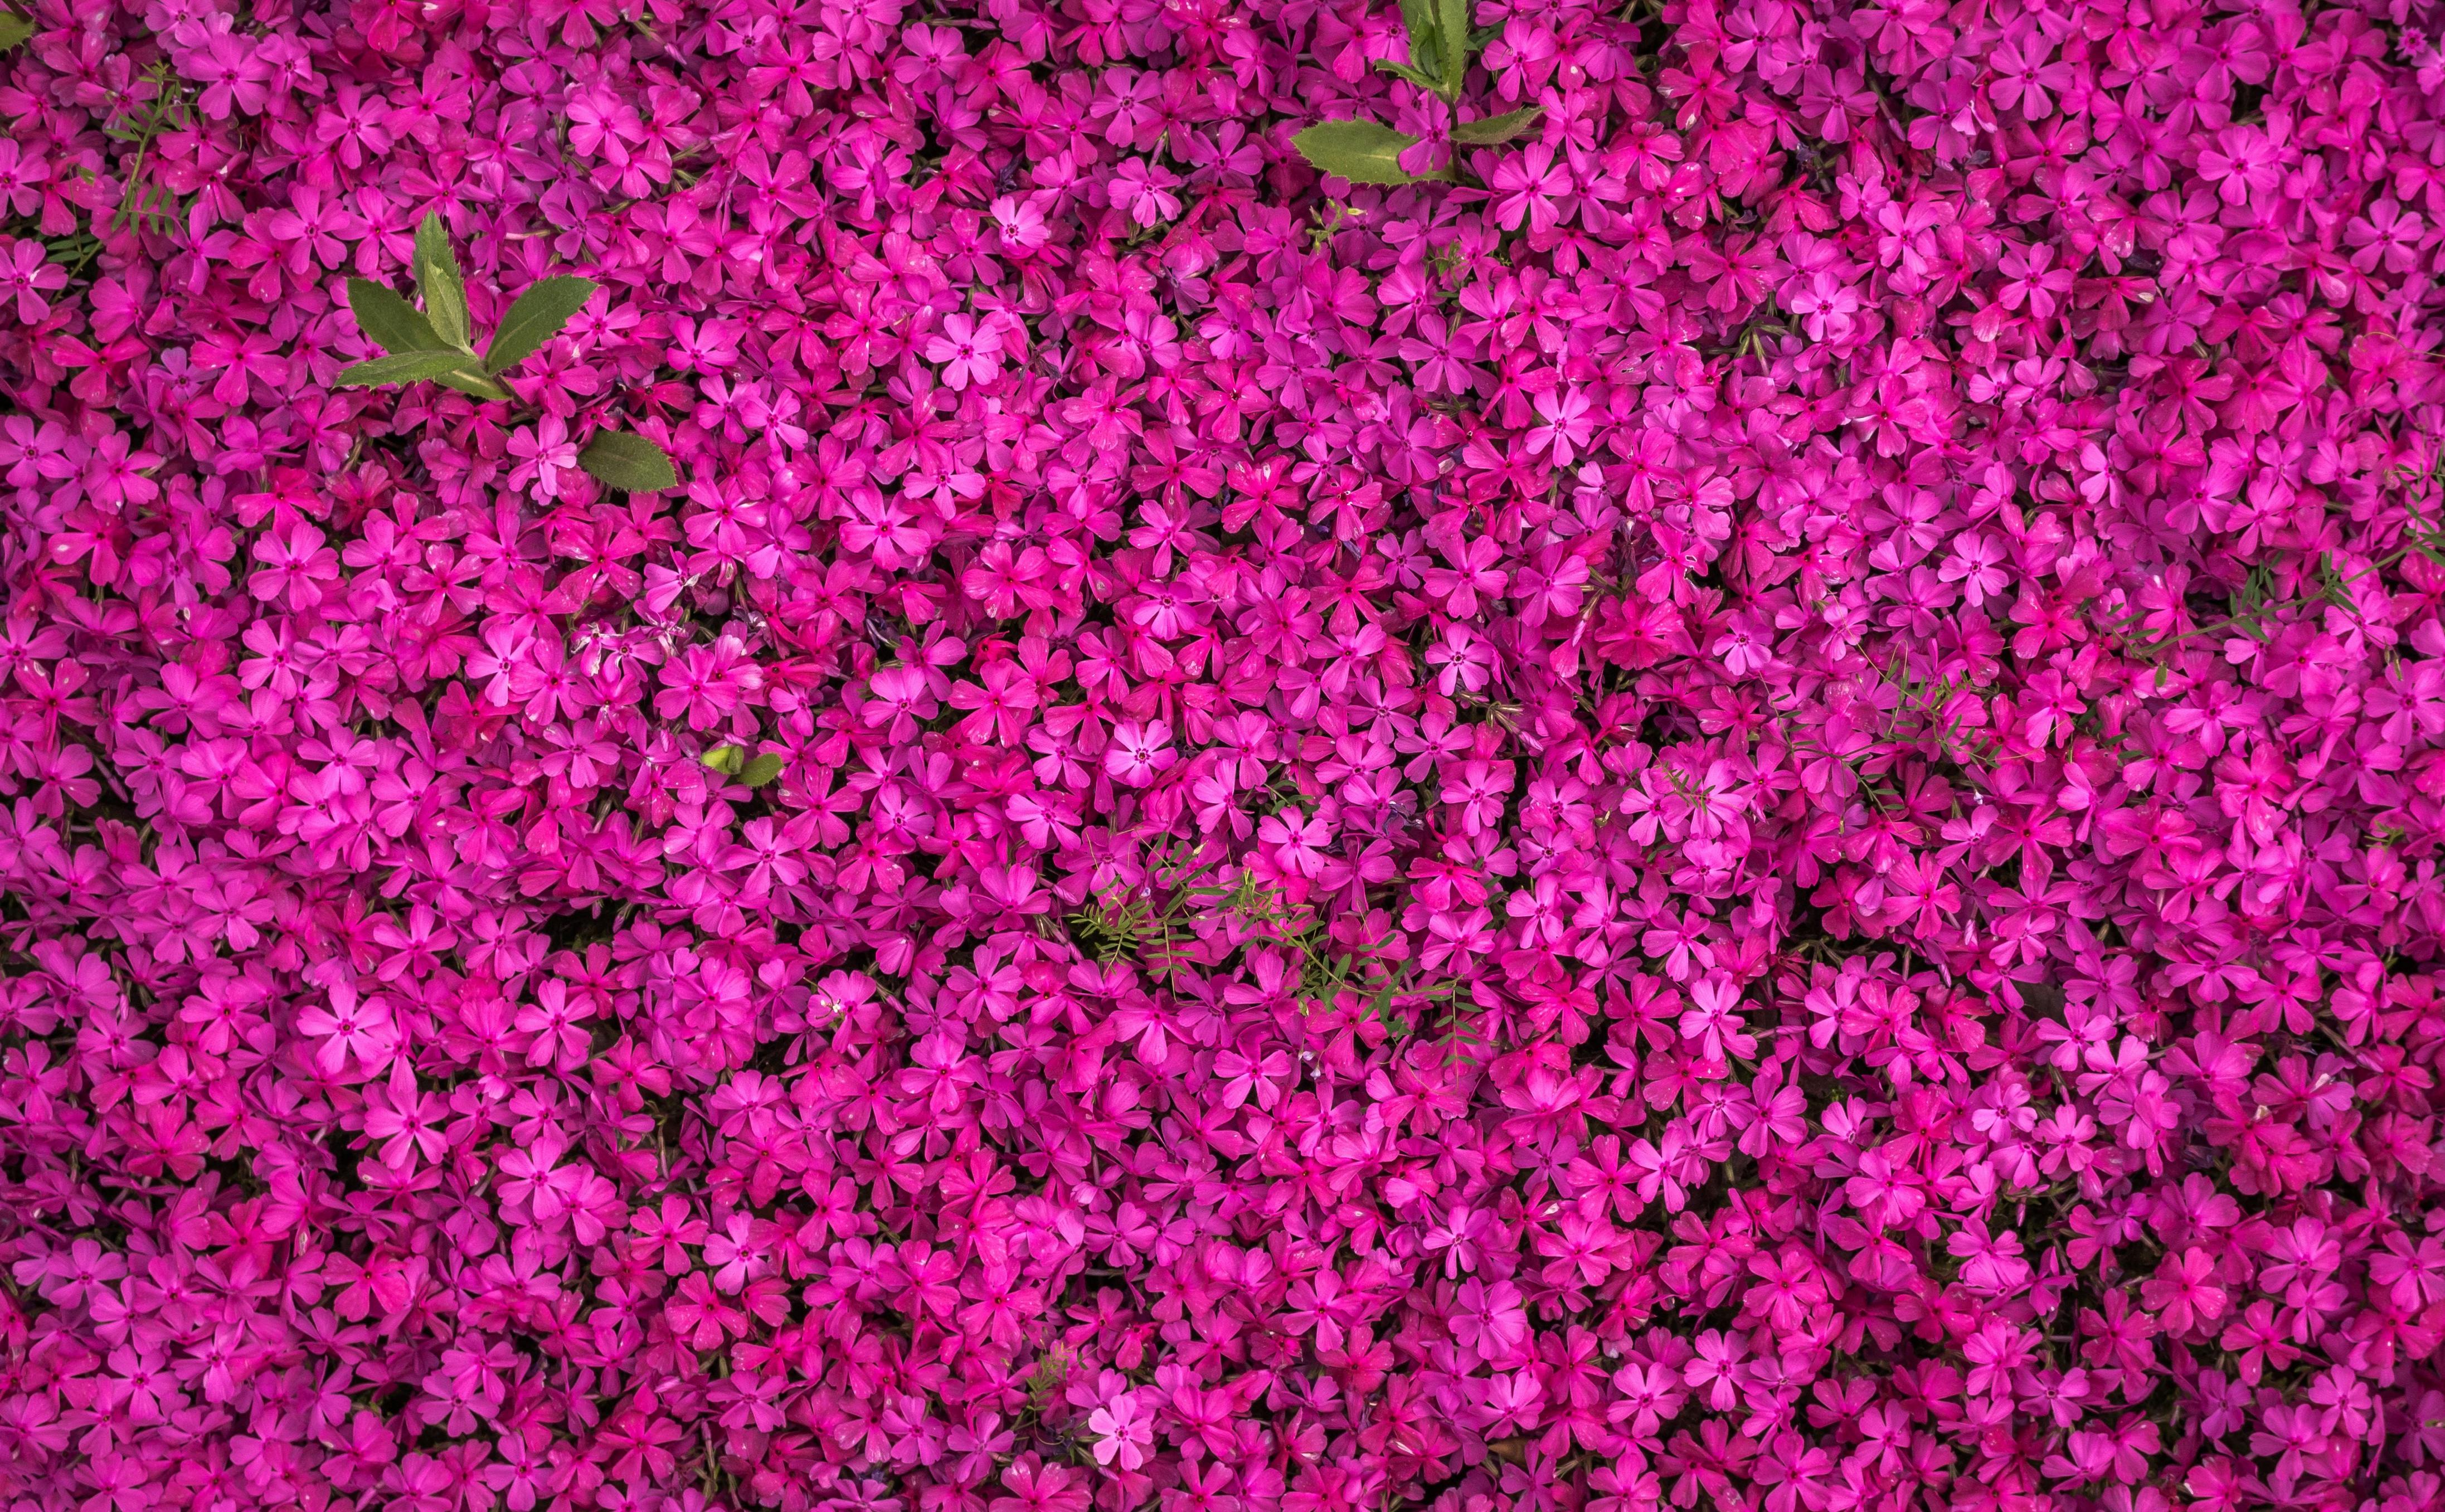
544	451
1294	841
1139	754
1020	224
1526	186
24	272
1144	190
1740	811
1123	1433
970	351
1565	431
350	1028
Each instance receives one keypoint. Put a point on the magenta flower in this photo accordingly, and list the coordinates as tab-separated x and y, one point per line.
1295	842
1144	190
543	453
970	352
26	274
347	1027
1139	754
1124	1435
1736	806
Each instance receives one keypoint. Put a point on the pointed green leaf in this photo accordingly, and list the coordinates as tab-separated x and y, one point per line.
536	318
439	280
1452	22
1364	152
1495	130
13	30
628	463
1418	21
391	322
473	383
408	367
725	759
1402	70
761	771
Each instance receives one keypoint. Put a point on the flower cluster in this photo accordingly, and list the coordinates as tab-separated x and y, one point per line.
1789	741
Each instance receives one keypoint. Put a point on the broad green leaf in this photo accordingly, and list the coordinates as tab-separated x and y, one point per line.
391	322
439	280
629	462
536	318
725	759
761	771
408	367
13	30
1364	152
1494	130
1452	22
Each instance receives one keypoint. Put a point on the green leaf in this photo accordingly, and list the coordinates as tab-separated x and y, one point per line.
391	322
1402	70
536	318
439	280
628	463
475	384
1451	21
761	771
13	30
1495	130
725	759
407	368
1364	152
1425	49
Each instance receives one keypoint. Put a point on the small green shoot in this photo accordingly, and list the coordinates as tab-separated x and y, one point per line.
1148	923
1929	702
438	344
1441	43
143	204
733	761
2252	606
1051	1371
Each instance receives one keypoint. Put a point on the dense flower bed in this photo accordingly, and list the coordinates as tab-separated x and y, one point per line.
1816	697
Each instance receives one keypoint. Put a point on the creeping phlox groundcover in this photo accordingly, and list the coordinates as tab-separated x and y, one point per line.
1241	757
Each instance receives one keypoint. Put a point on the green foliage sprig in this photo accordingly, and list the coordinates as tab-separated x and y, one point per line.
1151	924
1441	43
2251	607
437	344
1927	703
143	202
